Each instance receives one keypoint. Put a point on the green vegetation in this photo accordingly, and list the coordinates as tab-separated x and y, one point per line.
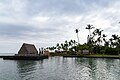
97	43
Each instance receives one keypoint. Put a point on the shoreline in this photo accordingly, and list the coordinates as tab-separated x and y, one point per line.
87	56
24	57
94	56
63	55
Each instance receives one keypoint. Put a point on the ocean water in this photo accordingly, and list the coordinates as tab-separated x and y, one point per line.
7	54
59	68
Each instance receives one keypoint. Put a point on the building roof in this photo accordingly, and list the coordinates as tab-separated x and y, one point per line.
30	48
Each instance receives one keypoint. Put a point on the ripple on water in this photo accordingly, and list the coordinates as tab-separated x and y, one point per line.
59	68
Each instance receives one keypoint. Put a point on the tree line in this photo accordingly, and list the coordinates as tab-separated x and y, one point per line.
97	43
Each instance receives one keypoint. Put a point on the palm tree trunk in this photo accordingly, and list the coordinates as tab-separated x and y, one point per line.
90	32
78	38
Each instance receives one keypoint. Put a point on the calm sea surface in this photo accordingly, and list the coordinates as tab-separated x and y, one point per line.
59	68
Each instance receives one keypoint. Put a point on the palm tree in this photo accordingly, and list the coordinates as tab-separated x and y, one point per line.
70	44
115	39
74	42
51	48
71	41
62	46
106	43
111	42
89	41
98	32
66	45
77	30
58	46
89	27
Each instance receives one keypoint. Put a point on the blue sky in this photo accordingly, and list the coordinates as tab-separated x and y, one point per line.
47	22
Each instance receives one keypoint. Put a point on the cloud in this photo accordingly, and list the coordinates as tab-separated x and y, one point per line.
47	22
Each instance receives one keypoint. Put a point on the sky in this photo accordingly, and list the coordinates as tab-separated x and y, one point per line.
48	22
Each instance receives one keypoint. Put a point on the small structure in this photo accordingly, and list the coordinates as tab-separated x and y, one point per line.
41	51
85	51
27	50
46	53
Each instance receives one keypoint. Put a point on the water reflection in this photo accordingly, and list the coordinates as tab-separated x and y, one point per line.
95	69
26	69
113	68
40	64
87	67
59	68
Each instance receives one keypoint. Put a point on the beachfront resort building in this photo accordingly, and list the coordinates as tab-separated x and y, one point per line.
27	50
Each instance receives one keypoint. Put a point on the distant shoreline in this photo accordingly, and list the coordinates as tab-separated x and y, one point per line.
95	56
87	56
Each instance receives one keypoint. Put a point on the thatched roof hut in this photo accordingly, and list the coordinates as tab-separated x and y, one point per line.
27	50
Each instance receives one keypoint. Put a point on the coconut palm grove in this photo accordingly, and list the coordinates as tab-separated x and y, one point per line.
97	43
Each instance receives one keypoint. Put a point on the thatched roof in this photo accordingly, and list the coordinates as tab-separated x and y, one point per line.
28	49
